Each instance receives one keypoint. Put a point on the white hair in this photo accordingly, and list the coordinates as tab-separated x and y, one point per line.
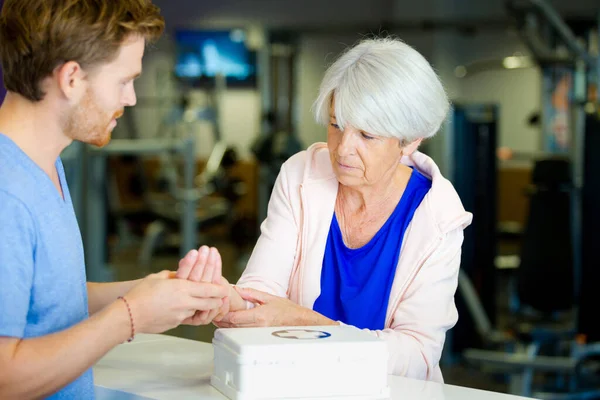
385	88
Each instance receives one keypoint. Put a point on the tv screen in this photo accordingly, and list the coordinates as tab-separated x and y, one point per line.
201	55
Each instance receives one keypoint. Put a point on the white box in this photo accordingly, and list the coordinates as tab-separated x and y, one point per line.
310	362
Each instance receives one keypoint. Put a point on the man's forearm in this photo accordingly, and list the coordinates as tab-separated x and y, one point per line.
39	367
102	294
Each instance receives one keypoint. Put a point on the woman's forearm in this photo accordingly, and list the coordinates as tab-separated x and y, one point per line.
313	318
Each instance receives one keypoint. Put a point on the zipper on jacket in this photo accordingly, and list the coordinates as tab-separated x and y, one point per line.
302	245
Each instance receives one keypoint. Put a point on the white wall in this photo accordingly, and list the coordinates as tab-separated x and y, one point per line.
316	53
518	92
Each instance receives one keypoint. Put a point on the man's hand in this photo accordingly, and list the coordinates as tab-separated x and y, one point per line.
271	311
160	302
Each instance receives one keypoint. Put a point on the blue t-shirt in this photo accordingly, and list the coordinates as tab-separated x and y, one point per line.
42	269
356	283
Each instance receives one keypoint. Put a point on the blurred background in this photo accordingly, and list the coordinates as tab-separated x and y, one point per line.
225	98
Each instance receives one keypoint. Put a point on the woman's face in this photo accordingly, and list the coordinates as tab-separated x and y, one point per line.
360	159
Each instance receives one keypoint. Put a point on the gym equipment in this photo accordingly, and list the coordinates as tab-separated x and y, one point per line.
178	205
573	369
566	357
472	136
548	228
587	319
187	195
277	140
272	148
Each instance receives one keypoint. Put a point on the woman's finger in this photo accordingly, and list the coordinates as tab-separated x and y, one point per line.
211	265
186	264
218	270
253	295
198	270
244	317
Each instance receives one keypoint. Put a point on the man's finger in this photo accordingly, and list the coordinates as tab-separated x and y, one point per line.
223	311
193	319
213	313
198	270
189	316
201	317
203	289
225	319
253	295
204	317
205	305
221	324
186	264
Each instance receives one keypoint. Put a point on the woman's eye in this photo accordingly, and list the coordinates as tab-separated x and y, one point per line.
365	136
335	126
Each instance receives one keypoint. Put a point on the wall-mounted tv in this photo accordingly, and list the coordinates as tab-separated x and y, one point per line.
201	55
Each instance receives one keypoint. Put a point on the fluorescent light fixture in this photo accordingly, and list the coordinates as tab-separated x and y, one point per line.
512	62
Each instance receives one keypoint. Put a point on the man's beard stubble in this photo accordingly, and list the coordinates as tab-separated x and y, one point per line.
89	124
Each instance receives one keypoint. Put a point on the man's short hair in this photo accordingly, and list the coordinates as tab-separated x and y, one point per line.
36	36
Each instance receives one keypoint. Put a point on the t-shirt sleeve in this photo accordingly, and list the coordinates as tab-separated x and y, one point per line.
17	248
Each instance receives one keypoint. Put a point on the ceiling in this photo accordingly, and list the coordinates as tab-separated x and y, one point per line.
348	14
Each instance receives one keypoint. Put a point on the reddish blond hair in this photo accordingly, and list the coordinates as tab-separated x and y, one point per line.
36	36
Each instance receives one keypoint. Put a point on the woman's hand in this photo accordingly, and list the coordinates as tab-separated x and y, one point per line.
204	266
233	302
271	311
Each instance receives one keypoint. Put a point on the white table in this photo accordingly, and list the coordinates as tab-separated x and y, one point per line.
166	367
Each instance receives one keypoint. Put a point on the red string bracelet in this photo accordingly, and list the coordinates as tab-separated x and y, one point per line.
130	318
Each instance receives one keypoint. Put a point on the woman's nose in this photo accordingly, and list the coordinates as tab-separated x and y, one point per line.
347	144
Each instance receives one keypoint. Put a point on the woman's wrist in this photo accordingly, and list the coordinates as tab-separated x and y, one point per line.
236	303
312	318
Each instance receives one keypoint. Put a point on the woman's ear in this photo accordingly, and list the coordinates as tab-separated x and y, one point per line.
411	147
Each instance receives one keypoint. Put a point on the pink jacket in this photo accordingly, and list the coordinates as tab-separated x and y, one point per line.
288	256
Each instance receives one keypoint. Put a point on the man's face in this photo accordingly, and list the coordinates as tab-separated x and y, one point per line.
110	90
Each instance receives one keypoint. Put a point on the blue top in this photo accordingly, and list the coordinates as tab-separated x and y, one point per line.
356	283
42	267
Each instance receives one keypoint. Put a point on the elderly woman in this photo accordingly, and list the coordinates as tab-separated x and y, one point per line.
364	230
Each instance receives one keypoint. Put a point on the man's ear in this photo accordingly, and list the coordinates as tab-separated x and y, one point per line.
411	147
71	80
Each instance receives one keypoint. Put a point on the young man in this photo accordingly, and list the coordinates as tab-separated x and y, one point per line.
69	68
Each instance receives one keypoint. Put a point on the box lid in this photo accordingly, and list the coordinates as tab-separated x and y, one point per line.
295	344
